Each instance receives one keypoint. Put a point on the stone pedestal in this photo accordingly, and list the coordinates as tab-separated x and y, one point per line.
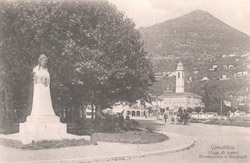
43	124
38	128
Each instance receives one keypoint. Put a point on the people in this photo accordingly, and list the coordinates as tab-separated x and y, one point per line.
185	117
127	118
165	117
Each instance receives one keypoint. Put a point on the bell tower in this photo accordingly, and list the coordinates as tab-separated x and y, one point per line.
179	78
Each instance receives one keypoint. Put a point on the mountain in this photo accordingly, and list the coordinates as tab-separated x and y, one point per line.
196	34
200	41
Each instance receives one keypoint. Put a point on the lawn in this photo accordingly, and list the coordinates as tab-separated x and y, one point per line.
230	123
145	134
45	144
132	137
149	125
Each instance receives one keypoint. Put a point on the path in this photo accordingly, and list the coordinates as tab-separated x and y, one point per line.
101	152
209	137
181	136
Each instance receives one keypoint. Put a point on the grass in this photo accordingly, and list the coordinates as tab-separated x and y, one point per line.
149	125
46	144
132	137
229	123
144	135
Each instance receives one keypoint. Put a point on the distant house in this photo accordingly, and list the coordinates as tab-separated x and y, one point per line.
215	66
245	55
240	99
245	73
196	72
158	76
232	55
224	77
237	60
240	73
224	56
165	73
211	69
224	66
171	74
230	66
205	78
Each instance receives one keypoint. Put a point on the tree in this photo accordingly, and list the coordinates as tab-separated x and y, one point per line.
96	55
190	110
197	109
244	108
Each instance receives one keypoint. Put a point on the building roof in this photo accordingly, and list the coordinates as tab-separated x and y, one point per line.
182	94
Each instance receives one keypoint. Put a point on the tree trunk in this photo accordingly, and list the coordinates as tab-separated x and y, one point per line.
1	110
9	114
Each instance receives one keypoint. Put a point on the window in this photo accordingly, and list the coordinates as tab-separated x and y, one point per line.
179	75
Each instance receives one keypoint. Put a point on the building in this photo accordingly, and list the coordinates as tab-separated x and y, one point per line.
224	77
205	78
180	98
179	78
138	110
230	66
215	66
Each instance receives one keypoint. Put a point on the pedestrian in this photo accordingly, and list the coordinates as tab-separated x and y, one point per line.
165	117
127	118
168	114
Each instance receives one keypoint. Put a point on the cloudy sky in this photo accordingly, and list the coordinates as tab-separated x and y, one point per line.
235	13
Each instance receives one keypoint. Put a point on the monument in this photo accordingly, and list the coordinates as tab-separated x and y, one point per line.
42	123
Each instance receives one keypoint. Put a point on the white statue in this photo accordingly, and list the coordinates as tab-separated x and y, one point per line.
42	123
42	104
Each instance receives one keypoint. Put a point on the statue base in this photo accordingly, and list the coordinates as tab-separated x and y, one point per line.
38	128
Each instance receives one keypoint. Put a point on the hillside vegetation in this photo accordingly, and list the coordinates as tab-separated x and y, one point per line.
200	41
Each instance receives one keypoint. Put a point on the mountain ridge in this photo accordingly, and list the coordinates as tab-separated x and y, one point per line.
201	41
193	30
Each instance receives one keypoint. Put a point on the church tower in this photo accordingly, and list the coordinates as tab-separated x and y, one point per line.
179	78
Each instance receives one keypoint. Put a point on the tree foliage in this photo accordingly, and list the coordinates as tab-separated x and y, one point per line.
95	53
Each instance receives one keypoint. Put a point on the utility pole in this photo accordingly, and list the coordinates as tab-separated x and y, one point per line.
221	102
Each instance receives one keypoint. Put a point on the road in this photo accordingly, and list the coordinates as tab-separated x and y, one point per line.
220	144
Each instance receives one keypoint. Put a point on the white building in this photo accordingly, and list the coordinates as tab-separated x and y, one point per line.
180	98
215	66
180	78
205	78
224	77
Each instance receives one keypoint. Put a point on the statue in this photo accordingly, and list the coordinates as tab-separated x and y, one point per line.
42	104
42	123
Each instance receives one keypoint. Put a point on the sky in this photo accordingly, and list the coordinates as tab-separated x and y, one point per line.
235	13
